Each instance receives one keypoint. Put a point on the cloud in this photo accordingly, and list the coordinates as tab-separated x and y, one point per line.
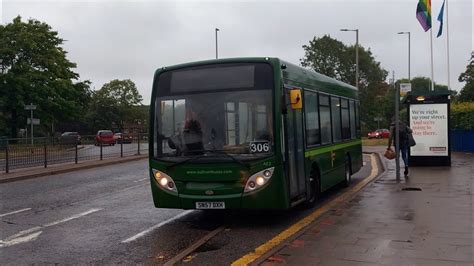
121	39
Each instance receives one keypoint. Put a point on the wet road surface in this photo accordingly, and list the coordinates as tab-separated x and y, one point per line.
106	215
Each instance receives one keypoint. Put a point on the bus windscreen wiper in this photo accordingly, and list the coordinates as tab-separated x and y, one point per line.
197	156
229	156
182	162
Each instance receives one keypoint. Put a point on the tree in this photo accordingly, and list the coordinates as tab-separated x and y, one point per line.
115	103
422	85
467	92
332	58
327	56
34	69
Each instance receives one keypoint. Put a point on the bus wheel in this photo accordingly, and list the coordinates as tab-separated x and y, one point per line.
314	188
347	174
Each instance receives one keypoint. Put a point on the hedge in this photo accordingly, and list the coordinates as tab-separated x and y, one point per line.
462	115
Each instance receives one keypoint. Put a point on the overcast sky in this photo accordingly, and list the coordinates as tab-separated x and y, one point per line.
129	40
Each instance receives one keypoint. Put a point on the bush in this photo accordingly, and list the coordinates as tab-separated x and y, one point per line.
462	115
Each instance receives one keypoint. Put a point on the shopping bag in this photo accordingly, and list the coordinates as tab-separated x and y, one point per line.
389	154
411	140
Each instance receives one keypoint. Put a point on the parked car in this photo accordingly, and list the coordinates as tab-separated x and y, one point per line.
379	134
104	137
122	138
72	138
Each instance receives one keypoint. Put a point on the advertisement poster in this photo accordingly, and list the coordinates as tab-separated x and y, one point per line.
429	123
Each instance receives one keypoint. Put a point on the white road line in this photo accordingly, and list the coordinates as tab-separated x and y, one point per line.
21	238
22	210
72	217
143	179
149	230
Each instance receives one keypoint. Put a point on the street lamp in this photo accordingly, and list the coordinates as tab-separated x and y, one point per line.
407	32
216	41
357	54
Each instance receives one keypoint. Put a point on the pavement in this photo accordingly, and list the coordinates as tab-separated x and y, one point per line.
32	172
426	219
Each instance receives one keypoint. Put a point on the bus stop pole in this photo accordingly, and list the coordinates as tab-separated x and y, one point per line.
397	128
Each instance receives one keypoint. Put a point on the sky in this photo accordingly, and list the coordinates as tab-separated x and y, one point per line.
111	39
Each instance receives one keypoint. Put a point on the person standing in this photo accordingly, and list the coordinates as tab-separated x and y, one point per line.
403	132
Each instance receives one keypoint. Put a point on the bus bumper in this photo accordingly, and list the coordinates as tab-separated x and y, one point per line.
272	196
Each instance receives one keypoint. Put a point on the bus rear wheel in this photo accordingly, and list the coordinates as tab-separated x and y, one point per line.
314	188
347	173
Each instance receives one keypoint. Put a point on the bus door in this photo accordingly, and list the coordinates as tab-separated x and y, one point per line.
294	148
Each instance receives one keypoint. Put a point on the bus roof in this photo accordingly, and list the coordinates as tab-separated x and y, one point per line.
302	77
298	76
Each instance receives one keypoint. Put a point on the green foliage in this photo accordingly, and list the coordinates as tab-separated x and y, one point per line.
420	85
332	58
328	56
462	115
467	92
34	69
115	104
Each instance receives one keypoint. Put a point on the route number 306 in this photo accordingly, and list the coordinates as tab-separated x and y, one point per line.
256	147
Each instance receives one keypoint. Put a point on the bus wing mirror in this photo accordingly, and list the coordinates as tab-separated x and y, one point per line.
284	109
295	99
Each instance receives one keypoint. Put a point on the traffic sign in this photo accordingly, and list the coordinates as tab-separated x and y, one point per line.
405	88
30	107
36	121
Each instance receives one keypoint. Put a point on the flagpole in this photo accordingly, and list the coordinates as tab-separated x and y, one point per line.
447	44
432	72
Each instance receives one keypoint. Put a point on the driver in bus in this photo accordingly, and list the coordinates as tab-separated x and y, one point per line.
192	132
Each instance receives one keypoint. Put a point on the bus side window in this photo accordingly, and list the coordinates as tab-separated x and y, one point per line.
336	119
325	119
346	128
353	119
311	118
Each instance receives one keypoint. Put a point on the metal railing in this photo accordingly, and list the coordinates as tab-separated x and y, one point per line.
20	153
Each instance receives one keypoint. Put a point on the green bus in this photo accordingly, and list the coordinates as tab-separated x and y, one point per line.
249	133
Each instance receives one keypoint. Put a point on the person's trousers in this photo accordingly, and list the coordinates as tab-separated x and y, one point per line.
404	152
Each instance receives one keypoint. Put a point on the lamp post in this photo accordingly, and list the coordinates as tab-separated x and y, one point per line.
357	54
216	42
407	32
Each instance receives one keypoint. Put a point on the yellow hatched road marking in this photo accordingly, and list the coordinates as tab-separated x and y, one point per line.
272	243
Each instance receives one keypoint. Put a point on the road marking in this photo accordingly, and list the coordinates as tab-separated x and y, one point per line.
21	238
143	179
193	247
295	228
72	217
149	230
22	210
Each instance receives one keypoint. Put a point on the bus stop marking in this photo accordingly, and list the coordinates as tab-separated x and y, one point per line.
301	224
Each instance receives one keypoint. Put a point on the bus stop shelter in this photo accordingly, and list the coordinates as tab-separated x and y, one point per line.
428	117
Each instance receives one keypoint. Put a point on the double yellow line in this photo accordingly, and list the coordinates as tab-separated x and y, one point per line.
295	228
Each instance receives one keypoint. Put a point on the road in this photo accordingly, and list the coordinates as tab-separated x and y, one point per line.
106	216
86	151
35	157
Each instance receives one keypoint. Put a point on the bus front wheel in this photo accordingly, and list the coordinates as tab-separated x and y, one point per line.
314	188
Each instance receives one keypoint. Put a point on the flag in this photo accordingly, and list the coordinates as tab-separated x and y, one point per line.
423	14
440	19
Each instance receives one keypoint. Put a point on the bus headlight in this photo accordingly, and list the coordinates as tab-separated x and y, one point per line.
258	180
165	181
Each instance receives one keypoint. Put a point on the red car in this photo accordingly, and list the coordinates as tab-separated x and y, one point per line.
104	137
379	134
122	138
